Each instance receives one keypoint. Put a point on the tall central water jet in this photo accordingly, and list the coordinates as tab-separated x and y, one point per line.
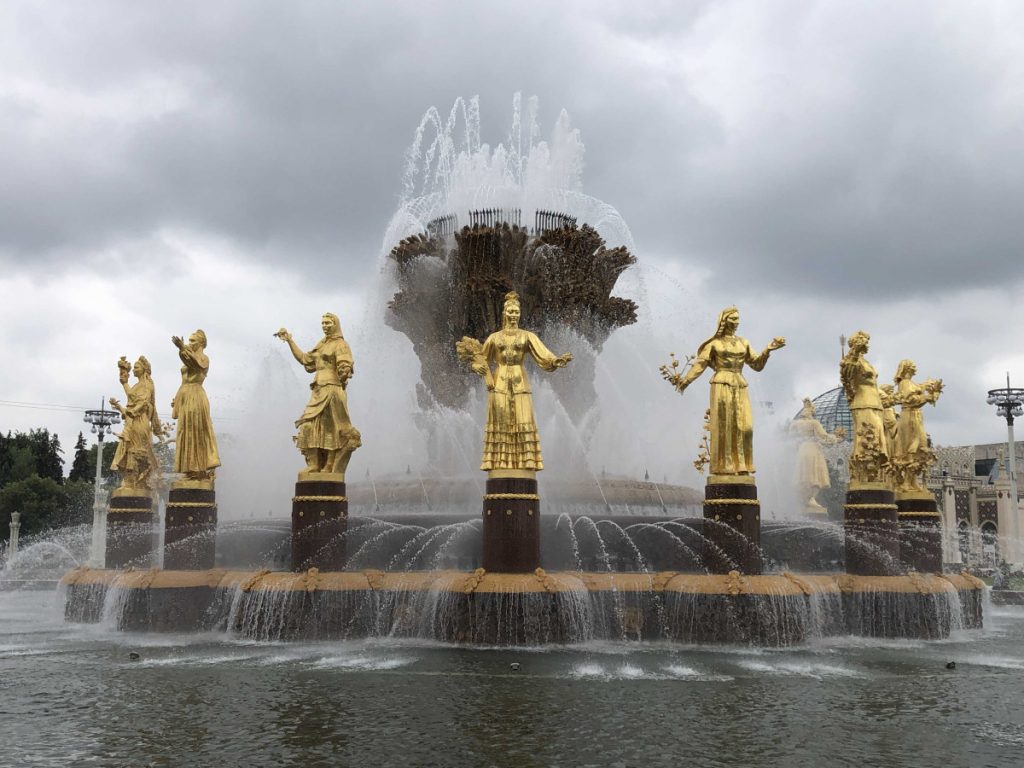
476	223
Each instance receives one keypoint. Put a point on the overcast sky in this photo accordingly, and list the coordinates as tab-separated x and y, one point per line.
233	165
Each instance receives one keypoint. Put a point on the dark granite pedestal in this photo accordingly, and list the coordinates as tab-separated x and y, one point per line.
872	532
131	530
319	522
511	530
190	527
920	531
732	527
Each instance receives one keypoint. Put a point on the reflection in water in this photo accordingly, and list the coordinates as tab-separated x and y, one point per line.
72	696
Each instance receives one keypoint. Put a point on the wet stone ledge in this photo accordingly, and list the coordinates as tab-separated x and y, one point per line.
527	609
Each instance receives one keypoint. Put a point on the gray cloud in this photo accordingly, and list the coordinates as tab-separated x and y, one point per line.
824	142
825	165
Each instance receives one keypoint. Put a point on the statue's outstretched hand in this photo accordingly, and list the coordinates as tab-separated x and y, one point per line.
283	334
563	360
777	343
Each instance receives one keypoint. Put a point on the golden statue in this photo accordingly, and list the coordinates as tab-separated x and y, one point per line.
870	456
811	473
195	449
326	436
890	423
731	425
510	437
134	458
911	455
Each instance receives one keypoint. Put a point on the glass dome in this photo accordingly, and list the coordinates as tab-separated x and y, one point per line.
832	410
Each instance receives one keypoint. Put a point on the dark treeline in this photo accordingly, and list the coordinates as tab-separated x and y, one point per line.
32	481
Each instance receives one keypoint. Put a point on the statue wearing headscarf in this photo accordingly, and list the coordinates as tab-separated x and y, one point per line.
326	436
195	446
510	437
732	430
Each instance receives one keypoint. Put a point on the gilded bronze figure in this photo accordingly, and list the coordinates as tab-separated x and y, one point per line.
195	446
731	424
511	441
326	437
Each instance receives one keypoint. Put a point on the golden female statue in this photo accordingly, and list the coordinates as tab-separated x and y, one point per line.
134	458
732	422
870	456
510	437
195	449
811	473
911	454
326	436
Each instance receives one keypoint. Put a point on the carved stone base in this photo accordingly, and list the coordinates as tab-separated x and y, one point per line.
319	524
131	531
920	532
732	525
511	531
190	529
872	533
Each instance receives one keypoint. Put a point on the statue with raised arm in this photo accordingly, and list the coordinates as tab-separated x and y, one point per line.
811	473
869	460
511	441
326	436
731	423
134	458
911	455
195	446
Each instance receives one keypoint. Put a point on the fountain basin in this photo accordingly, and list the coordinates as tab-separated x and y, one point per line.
527	609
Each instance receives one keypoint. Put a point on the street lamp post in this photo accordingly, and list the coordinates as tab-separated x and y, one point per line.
1009	403
101	420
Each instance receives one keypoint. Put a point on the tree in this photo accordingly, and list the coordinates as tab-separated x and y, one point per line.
44	504
43	456
80	464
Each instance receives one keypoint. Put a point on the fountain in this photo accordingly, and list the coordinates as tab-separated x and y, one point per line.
483	238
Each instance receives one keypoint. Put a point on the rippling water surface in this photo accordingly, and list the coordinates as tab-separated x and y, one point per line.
70	695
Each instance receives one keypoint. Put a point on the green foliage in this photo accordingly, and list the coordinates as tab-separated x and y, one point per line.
32	483
89	462
80	464
35	452
44	504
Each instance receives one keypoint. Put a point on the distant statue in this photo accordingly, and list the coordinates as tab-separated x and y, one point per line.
912	456
195	447
326	436
811	473
134	458
731	423
510	437
870	456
